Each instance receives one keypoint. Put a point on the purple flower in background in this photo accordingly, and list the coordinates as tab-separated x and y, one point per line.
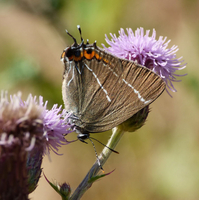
55	127
32	114
149	52
27	131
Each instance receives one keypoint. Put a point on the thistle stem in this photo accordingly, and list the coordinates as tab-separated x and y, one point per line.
117	133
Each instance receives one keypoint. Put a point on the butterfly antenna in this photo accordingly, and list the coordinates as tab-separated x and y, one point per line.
105	145
96	154
71	36
80	32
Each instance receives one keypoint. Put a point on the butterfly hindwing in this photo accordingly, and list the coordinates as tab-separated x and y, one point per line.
105	90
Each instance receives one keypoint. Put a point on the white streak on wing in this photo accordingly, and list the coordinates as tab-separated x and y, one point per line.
137	92
111	70
73	72
78	70
104	90
69	69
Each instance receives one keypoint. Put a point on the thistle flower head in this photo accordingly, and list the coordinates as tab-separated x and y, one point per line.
149	52
20	119
27	131
55	127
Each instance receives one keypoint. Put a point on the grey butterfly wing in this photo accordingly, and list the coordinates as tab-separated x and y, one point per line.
106	92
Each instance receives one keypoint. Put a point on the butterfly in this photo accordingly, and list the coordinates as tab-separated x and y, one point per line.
101	91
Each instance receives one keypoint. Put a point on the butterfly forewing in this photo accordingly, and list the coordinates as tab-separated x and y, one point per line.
104	91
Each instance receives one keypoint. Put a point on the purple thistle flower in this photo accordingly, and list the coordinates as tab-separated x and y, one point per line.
55	127
149	52
27	131
53	121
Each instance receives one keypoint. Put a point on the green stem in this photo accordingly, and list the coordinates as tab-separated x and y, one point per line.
117	133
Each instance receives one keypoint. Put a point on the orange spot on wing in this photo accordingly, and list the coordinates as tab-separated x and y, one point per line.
63	54
100	58
89	56
97	56
106	61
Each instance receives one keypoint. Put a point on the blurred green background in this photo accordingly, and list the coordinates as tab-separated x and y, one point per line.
158	162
